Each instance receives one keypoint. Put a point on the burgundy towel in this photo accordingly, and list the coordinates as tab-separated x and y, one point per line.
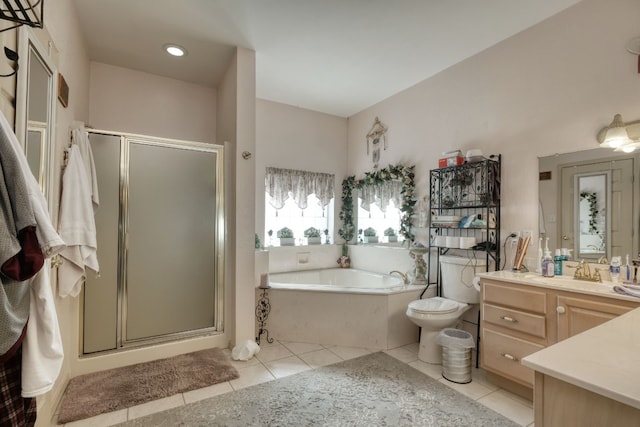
26	263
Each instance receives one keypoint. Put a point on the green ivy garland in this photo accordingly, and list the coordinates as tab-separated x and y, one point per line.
592	198
404	173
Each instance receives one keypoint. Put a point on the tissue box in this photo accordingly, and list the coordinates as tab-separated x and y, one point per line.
450	161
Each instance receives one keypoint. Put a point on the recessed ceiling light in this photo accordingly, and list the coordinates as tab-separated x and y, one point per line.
175	50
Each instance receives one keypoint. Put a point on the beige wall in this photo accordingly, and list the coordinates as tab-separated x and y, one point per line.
73	63
236	117
548	89
135	102
8	84
295	138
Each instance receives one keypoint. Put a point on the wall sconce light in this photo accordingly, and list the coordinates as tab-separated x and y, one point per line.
620	136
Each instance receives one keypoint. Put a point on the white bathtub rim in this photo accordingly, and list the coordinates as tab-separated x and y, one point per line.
306	287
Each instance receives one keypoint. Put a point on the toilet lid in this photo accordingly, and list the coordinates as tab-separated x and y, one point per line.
434	305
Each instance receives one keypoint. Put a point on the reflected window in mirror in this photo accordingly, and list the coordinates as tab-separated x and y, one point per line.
591	213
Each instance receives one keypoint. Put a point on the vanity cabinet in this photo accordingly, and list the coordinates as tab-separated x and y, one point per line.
520	319
576	314
514	324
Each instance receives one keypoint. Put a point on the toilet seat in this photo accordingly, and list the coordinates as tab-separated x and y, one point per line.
434	305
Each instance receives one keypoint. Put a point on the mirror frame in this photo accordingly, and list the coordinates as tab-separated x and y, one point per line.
403	173
28	43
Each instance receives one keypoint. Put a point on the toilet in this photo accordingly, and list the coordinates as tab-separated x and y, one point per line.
458	295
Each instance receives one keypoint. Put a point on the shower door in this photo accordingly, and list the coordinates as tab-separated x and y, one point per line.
162	271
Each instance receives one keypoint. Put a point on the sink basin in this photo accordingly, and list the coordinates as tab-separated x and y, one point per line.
569	281
553	280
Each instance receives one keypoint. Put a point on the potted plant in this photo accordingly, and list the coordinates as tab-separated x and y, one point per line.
391	235
344	260
313	236
370	235
286	237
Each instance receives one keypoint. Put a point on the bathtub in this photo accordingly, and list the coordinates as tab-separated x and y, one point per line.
343	307
338	280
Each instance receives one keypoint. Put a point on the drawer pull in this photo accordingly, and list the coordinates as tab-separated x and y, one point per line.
509	319
560	309
509	356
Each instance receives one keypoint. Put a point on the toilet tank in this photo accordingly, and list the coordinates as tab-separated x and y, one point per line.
457	277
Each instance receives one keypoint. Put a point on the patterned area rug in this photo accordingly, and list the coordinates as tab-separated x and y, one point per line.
372	390
93	394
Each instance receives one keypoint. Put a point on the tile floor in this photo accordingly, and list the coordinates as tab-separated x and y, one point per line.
280	359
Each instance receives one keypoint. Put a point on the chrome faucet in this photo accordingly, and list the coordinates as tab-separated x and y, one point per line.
405	278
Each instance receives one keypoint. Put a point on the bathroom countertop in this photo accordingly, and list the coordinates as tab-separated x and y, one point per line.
603	360
562	283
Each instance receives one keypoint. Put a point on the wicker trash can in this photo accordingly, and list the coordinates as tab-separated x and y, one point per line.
456	354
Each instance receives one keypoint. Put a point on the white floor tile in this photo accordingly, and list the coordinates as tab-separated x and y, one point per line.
503	403
301	347
240	364
434	371
474	390
319	358
288	366
155	406
413	347
480	376
349	352
403	354
273	351
102	420
251	375
207	392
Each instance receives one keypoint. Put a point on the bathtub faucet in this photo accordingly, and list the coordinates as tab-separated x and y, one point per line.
405	278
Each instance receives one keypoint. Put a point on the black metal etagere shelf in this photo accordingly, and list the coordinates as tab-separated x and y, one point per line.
22	12
470	191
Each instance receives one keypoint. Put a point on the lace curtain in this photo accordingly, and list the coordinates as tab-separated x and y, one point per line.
282	183
381	195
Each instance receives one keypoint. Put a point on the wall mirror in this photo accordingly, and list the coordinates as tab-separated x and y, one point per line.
402	179
589	203
36	94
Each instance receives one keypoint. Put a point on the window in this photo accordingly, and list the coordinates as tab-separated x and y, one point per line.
298	200
378	220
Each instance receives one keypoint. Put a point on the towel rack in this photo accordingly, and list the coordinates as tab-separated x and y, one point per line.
22	12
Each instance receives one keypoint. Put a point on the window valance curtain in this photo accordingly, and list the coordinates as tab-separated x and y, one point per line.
381	195
282	183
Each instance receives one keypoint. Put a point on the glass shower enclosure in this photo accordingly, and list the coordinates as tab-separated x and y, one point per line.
160	233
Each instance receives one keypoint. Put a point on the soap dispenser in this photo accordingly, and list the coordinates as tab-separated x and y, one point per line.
548	269
557	262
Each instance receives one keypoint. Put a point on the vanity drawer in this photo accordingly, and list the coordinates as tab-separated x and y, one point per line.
532	324
503	354
515	297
